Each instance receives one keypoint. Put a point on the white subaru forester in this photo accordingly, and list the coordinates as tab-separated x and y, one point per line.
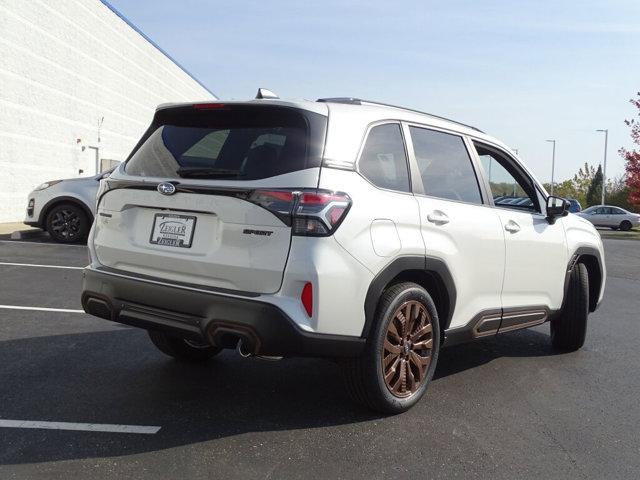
340	228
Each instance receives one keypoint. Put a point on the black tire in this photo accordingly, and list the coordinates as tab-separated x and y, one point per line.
364	376
182	349
67	223
625	226
568	332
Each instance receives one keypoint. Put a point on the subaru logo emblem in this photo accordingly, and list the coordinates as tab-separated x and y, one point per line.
166	188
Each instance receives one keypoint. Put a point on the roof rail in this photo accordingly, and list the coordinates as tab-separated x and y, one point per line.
360	101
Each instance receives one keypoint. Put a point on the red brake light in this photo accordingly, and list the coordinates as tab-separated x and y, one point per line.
208	106
320	198
306	297
335	214
275	195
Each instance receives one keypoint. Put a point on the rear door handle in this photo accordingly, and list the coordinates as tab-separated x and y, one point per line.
438	217
512	227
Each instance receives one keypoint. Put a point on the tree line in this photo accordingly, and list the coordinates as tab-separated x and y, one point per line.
586	187
623	191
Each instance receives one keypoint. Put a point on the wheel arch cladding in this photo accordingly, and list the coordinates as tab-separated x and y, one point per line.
429	272
54	202
591	259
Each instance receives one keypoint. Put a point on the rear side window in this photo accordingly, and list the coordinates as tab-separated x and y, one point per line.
384	161
232	143
445	166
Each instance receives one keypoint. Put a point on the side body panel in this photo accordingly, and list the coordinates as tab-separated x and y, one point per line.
536	260
536	254
472	245
340	284
380	225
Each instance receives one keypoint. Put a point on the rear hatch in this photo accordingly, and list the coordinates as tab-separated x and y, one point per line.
206	196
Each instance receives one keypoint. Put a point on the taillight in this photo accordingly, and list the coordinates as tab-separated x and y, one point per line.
278	202
314	213
306	297
319	213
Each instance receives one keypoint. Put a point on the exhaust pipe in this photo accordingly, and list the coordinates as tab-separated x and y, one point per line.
243	350
226	335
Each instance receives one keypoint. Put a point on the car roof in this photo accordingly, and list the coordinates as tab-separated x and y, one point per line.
374	111
351	117
349	120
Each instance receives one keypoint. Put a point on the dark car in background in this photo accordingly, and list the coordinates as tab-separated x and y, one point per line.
574	205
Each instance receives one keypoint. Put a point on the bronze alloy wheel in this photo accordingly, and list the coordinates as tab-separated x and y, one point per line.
407	349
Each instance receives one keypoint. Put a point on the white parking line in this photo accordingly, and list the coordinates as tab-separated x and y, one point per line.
39	266
45	244
85	427
41	309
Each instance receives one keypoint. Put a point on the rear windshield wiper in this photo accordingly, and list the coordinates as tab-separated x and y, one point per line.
207	172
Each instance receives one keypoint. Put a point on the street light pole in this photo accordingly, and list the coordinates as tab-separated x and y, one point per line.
553	162
604	166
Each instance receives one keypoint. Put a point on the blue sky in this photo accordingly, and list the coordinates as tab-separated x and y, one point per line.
524	71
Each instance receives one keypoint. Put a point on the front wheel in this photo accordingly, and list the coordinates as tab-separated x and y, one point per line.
568	332
625	226
181	348
401	354
67	223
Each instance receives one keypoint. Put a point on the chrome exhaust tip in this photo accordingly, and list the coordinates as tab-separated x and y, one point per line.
242	349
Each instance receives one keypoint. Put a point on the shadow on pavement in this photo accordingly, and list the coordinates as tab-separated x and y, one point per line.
523	343
117	377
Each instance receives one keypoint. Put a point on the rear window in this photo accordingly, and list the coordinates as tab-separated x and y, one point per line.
238	142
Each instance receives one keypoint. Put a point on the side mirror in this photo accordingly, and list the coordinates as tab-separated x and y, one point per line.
557	207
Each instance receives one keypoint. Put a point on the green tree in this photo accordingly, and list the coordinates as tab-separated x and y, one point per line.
594	192
566	189
618	193
582	181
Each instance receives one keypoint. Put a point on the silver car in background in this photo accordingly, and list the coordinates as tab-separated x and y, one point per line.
64	208
612	217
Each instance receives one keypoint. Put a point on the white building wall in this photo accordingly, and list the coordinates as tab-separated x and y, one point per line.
65	67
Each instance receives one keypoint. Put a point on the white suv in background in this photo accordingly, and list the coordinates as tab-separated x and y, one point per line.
64	208
340	228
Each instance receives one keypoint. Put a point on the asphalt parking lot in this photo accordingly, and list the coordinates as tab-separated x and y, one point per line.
504	408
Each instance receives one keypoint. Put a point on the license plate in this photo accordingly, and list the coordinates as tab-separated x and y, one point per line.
172	230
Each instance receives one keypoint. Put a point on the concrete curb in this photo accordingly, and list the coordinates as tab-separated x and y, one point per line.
23	234
621	237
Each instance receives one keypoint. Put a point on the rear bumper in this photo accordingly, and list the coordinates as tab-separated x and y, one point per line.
219	319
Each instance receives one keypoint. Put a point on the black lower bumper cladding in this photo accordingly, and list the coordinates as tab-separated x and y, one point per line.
220	319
